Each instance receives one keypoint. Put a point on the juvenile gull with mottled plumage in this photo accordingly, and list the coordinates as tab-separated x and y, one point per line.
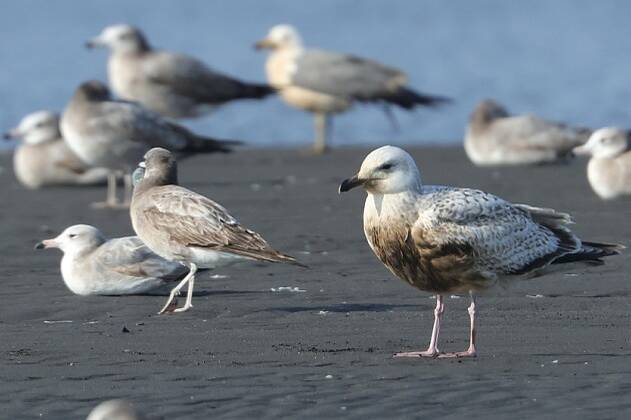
451	240
494	137
174	85
95	265
181	225
325	83
116	134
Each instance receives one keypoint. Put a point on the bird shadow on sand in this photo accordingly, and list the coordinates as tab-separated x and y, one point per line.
342	308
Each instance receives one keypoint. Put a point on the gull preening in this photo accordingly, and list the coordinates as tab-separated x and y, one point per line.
609	167
95	265
181	225
325	83
448	240
174	85
43	159
116	134
494	137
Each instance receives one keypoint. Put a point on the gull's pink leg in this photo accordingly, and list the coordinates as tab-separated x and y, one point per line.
432	350
470	352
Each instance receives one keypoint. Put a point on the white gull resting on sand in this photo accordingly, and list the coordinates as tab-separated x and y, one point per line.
95	265
494	137
186	227
174	85
43	159
448	240
326	83
609	168
116	134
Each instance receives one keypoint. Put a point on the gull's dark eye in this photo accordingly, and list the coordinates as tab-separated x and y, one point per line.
72	235
386	167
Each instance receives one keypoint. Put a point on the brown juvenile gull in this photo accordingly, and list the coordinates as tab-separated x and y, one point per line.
181	225
325	83
494	137
95	265
447	240
116	134
174	85
609	168
43	159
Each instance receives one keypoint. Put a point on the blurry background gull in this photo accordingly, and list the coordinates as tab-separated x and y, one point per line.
174	85
609	167
42	158
326	83
494	137
116	134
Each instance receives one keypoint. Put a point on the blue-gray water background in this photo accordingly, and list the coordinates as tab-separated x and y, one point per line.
566	60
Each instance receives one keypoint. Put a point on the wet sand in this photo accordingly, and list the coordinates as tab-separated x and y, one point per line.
551	346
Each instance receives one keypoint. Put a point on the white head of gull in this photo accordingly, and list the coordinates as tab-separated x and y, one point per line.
609	167
451	240
95	265
181	225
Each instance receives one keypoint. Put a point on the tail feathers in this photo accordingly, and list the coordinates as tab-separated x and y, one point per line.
201	144
255	91
408	99
591	252
269	255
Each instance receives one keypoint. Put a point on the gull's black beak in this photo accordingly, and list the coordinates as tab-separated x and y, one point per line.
350	183
39	245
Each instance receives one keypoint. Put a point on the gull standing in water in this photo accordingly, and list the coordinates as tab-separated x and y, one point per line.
43	159
325	83
116	134
174	85
448	240
181	225
95	265
609	168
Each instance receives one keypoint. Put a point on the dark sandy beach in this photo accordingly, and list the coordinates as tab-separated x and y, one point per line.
556	346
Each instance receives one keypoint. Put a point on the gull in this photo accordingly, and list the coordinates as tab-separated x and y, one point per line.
43	159
447	240
114	410
116	134
95	265
174	85
181	225
325	83
609	168
494	137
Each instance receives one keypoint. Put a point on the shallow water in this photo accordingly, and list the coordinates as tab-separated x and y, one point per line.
568	60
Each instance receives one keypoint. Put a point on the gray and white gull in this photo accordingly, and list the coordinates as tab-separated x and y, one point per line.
181	225
116	134
494	137
448	240
609	167
325	83
174	85
95	265
43	159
